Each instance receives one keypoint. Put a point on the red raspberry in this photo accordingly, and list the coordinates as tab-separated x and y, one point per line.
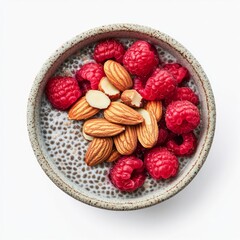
182	117
62	92
109	49
84	86
161	163
93	72
128	173
162	136
183	93
182	145
160	85
178	71
141	58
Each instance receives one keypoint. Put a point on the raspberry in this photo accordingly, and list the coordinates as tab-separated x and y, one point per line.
128	173
84	86
161	163
141	58
62	92
93	72
162	136
109	49
179	72
183	93
160	85
182	145
182	117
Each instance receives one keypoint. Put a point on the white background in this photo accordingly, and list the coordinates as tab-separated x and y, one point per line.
32	207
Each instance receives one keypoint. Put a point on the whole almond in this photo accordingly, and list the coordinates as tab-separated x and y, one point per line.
117	75
156	108
126	142
122	114
82	110
147	131
114	156
98	151
100	127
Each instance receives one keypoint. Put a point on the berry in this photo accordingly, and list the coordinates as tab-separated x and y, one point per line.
141	59
182	145
128	173
182	117
183	93
109	49
162	136
160	85
93	72
179	72
85	86
161	163
62	92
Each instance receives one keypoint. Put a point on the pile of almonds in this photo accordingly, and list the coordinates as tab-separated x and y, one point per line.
126	120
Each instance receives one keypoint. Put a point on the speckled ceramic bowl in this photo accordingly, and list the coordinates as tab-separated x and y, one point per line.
58	142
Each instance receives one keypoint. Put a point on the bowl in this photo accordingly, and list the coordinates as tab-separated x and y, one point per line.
58	142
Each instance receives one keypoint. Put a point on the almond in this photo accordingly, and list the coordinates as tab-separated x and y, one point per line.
113	156
100	127
126	142
117	75
98	151
106	86
82	110
120	113
132	98
87	137
147	131
156	108
97	99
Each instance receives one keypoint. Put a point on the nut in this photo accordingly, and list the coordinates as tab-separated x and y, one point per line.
126	142
98	151
156	108
106	86
113	156
122	114
132	98
147	131
100	127
87	137
97	99
117	75
82	110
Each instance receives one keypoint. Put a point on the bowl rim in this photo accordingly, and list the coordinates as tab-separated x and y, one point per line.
127	205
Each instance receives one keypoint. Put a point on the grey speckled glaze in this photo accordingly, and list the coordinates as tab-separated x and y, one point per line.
183	56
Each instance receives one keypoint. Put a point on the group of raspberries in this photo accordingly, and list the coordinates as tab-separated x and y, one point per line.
154	81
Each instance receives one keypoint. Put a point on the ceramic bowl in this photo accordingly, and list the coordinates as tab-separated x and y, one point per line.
58	142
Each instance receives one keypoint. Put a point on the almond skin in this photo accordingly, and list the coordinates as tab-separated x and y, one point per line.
113	156
82	110
156	108
147	131
98	151
122	114
117	75
100	127
126	142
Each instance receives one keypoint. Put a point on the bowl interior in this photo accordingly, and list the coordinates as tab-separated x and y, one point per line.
60	146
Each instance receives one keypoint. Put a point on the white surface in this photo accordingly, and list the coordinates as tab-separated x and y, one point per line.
32	207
